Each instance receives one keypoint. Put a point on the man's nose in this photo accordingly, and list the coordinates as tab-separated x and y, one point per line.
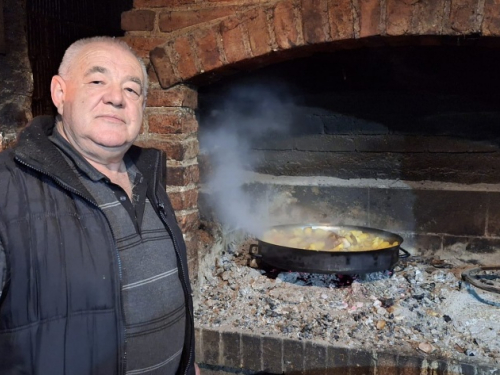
114	95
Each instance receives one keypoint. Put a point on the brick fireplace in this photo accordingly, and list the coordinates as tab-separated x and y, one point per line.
368	145
191	45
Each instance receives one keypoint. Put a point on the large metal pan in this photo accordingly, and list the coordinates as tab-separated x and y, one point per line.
338	262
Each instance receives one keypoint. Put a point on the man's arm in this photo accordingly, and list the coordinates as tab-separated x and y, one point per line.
3	268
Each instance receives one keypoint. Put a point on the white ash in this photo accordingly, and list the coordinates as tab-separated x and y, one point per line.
420	309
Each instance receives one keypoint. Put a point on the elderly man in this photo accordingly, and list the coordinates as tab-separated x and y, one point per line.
93	269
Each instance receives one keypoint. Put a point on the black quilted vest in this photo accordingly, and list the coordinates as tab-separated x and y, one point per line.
60	312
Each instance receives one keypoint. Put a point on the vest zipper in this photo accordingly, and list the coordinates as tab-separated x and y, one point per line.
163	216
67	187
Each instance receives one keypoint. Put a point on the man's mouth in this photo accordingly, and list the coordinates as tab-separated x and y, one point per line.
111	118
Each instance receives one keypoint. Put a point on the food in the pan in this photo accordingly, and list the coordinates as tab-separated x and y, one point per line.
321	239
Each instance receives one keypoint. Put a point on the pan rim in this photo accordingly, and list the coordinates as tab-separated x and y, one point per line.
384	234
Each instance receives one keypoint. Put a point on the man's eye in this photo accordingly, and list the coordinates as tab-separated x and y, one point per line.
96	82
132	91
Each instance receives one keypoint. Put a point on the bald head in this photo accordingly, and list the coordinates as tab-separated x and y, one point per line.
70	58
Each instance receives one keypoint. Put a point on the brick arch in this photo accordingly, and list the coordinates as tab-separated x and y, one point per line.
285	29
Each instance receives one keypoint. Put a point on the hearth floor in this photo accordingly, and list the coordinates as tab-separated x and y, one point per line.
422	308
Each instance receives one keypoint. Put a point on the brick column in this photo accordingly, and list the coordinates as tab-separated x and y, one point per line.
170	125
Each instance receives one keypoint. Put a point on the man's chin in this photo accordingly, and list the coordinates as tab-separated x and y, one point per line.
109	147
112	144
111	150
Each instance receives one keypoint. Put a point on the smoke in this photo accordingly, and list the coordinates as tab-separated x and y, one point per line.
245	115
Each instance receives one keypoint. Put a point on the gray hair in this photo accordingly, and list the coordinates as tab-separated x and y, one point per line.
74	50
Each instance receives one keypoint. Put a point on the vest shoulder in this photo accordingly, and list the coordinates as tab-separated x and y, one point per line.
7	160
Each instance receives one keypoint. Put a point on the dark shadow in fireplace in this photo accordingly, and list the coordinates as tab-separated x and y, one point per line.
409	115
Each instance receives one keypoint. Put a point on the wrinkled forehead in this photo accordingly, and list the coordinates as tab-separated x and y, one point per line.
103	57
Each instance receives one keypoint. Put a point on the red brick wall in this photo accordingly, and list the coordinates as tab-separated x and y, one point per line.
196	37
15	72
187	40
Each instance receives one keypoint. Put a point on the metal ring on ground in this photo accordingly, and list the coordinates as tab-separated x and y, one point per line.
474	280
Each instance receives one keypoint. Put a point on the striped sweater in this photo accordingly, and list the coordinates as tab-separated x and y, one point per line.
153	300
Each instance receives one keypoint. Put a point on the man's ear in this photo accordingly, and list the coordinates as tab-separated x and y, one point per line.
58	92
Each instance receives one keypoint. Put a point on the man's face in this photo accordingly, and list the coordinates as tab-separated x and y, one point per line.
101	101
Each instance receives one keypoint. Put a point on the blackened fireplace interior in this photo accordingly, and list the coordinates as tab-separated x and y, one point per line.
400	138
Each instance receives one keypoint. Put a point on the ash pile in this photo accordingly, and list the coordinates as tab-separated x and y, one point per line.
423	306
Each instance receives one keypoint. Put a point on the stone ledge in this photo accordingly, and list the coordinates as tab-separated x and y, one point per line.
216	352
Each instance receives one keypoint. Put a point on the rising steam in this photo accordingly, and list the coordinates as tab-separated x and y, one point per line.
244	116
